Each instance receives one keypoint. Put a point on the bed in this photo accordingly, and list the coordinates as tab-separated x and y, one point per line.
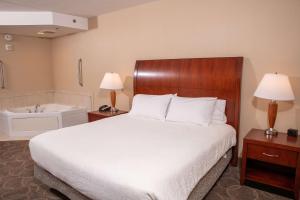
131	158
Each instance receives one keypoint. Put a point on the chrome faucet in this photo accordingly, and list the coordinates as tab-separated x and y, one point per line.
36	108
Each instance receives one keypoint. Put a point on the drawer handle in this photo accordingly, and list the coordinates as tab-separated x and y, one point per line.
271	155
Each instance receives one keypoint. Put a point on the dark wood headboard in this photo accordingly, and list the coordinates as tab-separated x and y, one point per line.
196	77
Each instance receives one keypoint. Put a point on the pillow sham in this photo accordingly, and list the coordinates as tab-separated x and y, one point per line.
151	106
193	110
219	115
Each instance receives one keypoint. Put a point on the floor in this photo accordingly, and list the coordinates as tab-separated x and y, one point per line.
17	181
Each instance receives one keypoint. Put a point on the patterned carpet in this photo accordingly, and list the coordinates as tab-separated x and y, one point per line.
17	182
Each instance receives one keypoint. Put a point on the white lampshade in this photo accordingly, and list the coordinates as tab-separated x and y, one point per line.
111	81
275	87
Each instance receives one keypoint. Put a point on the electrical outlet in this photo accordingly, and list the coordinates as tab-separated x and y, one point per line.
9	47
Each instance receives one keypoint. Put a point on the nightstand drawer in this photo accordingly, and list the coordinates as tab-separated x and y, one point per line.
272	155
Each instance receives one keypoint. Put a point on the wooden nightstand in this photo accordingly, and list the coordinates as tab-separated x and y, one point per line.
272	161
96	115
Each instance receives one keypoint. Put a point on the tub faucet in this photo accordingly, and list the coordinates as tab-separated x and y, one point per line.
36	108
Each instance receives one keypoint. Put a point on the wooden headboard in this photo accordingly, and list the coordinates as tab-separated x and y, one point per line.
196	77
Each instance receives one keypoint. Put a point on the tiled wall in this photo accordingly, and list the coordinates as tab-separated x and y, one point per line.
70	98
44	97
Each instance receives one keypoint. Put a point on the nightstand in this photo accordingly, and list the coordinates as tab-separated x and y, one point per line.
96	115
272	161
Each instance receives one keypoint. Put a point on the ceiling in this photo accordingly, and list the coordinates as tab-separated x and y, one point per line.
86	8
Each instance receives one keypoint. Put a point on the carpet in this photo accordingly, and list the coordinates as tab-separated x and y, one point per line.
17	181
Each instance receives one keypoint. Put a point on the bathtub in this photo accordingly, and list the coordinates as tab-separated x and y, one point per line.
33	120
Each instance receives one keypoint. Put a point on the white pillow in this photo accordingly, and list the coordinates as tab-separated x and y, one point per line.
193	110
152	106
219	112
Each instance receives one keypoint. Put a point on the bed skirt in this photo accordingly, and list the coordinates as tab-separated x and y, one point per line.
198	193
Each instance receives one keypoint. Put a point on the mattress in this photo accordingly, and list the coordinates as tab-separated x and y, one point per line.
124	157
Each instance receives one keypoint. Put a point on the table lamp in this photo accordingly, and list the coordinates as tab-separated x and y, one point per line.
275	87
112	82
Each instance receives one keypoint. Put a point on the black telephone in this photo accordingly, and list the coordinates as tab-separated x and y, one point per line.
105	108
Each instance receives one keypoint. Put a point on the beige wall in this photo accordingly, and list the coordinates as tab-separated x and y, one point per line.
29	66
265	32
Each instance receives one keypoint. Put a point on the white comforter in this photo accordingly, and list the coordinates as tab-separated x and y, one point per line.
127	158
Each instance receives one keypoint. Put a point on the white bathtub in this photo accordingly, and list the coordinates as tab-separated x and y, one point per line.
25	121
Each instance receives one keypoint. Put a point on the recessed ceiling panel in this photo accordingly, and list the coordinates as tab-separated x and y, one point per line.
87	8
41	24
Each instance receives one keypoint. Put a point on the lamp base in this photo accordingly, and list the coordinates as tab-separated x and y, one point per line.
114	110
271	132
